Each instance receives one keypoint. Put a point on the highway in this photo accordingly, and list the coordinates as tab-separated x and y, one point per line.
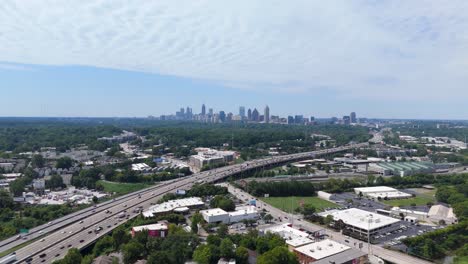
77	230
298	222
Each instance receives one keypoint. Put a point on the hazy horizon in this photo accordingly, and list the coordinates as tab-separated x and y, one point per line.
380	59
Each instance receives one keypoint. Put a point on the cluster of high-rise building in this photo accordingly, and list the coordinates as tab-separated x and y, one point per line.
249	115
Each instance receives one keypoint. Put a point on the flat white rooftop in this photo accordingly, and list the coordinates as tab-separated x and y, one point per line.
171	205
213	212
322	249
150	227
363	219
390	195
299	241
242	210
375	189
286	232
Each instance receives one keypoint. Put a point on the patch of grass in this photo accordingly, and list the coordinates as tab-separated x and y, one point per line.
13	249
461	260
418	200
289	204
122	188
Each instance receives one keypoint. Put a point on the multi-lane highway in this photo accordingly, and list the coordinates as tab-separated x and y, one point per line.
78	230
297	221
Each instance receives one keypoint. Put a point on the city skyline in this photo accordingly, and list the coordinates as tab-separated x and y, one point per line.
407	62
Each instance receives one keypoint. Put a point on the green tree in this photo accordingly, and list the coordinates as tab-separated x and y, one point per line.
328	219
308	210
226	249
132	252
196	219
103	245
242	255
120	237
55	182
6	201
64	163
37	161
159	257
222	230
88	259
268	218
278	255
17	186
73	256
202	254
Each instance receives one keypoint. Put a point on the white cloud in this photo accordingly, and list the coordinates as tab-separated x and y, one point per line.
379	49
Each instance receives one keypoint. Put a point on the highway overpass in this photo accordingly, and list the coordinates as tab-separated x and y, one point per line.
77	230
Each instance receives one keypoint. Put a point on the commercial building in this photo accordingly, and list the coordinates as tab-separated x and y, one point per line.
381	192
329	251
218	215
154	230
401	168
293	237
211	157
267	114
215	215
362	222
169	206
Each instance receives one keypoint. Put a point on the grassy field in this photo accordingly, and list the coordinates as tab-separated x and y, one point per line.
122	188
422	198
288	204
461	260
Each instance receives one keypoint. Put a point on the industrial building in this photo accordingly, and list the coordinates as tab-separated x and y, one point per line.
401	168
329	251
218	215
362	222
179	205
381	192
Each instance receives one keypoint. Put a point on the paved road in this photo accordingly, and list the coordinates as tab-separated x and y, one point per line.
80	227
393	256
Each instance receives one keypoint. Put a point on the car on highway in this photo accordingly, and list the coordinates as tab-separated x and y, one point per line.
43	255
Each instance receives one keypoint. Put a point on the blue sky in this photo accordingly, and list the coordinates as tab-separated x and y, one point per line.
389	59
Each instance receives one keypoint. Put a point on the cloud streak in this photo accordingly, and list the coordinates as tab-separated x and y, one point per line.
410	50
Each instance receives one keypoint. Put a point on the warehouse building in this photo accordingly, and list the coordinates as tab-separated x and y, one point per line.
401	168
381	192
362	222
